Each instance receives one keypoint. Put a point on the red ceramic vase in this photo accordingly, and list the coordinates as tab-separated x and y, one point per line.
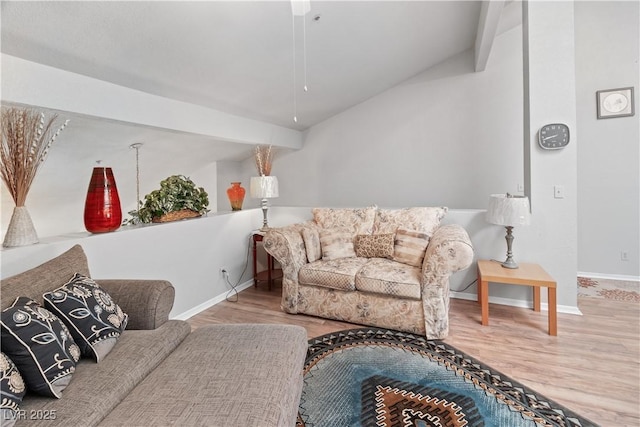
102	211
236	196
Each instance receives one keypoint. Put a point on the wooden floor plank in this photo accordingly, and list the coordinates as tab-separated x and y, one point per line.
592	366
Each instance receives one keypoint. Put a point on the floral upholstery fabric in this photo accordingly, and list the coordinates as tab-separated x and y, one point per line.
374	245
423	219
448	251
336	243
386	277
311	239
359	220
336	274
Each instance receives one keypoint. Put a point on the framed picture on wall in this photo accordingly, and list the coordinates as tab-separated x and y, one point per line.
614	103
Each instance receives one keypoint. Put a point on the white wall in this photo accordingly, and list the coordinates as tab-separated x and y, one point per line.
187	253
607	51
449	136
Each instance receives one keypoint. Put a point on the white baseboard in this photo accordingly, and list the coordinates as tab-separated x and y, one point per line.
210	303
609	276
518	303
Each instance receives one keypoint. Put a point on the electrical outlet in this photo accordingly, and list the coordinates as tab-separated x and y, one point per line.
520	188
624	256
558	191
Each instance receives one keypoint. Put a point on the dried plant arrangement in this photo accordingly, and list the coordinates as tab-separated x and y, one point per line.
264	159
26	139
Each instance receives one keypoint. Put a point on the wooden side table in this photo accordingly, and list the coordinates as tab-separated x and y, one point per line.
528	275
271	274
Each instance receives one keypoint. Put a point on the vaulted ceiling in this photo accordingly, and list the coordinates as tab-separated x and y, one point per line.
238	56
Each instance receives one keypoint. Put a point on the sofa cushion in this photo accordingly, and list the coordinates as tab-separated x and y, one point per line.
360	221
97	388
410	247
374	245
311	239
222	375
13	390
40	345
94	319
383	276
337	274
336	243
423	219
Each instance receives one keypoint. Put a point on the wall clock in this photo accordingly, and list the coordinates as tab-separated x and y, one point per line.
553	136
615	103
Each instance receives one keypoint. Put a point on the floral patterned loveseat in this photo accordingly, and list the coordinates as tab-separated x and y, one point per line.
380	267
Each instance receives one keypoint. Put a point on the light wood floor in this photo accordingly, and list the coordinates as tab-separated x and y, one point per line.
591	367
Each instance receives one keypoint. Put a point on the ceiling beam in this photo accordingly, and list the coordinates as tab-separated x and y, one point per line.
487	27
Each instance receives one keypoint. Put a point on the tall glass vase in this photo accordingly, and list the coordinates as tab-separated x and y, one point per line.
236	196
21	231
102	211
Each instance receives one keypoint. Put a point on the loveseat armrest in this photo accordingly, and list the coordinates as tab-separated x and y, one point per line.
147	302
449	250
286	245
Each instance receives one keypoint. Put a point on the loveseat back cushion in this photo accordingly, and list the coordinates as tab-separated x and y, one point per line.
386	277
335	274
425	219
45	277
92	316
360	221
336	243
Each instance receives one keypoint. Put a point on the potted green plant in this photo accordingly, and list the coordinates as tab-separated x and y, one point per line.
178	198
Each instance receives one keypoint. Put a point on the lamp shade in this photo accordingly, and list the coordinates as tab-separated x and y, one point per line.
263	187
508	210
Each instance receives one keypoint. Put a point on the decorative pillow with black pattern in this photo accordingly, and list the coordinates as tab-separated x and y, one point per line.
94	319
40	345
13	390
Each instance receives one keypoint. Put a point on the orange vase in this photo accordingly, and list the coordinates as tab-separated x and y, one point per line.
236	196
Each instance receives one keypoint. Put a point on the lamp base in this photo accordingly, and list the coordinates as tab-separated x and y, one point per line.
509	263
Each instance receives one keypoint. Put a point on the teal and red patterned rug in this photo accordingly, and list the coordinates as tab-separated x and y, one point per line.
380	377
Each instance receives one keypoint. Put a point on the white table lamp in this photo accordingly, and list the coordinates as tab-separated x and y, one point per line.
509	211
264	187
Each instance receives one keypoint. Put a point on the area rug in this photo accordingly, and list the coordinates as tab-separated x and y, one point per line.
617	290
380	377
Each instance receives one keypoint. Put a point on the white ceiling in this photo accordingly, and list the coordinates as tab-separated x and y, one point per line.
237	56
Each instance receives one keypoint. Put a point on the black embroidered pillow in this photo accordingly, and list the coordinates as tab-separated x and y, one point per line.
40	345
94	319
13	390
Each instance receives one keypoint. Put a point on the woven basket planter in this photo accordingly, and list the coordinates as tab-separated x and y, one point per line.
176	216
21	231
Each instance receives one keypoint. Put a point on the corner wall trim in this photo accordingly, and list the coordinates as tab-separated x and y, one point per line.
609	276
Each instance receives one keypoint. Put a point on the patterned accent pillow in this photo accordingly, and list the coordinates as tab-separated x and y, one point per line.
374	245
358	220
94	319
410	246
311	239
40	345
13	390
422	219
336	243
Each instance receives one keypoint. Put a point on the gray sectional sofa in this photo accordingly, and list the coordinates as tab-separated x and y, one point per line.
160	372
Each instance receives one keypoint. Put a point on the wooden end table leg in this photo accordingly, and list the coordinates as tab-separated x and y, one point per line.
484	299
536	298
553	313
269	270
255	264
